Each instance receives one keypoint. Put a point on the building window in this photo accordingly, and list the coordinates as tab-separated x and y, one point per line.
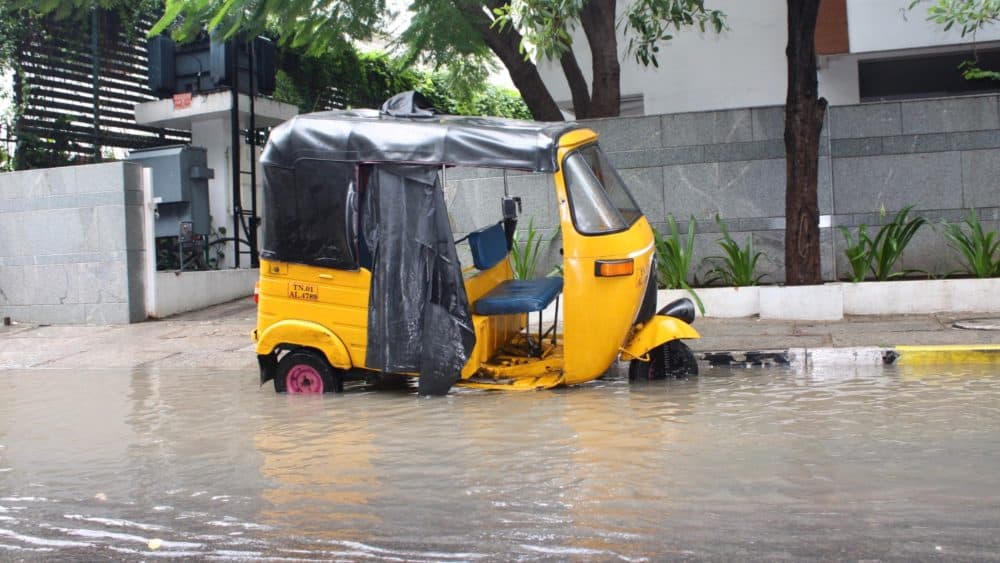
925	76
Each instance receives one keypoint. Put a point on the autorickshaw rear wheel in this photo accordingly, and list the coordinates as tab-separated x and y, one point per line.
671	359
306	371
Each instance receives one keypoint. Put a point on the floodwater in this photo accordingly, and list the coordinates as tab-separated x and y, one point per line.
874	464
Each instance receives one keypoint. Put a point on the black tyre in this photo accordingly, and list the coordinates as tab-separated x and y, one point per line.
306	371
672	359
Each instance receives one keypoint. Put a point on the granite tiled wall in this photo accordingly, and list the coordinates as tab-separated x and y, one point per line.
942	156
71	246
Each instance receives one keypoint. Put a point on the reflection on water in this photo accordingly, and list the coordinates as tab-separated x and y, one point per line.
893	463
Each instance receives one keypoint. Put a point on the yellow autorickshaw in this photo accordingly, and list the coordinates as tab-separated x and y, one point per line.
360	275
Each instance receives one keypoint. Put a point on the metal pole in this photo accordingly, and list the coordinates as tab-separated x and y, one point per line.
95	54
252	130
234	140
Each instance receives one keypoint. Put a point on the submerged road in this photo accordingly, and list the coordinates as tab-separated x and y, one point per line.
889	463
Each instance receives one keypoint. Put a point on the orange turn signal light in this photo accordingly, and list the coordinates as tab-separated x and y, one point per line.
614	268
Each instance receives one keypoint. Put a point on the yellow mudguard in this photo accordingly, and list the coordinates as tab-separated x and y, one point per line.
658	330
305	333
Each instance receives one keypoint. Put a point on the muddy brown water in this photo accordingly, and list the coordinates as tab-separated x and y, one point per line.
884	464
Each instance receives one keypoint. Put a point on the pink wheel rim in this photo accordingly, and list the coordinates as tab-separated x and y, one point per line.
303	379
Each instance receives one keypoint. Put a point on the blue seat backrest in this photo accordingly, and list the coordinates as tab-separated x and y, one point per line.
489	246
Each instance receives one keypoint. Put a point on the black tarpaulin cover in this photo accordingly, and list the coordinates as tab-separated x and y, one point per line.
368	137
311	214
408	104
418	312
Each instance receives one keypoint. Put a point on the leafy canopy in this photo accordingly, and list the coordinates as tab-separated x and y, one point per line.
970	16
314	24
547	25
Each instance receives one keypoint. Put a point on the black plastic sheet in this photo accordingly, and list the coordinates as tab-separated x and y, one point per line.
418	311
367	136
311	214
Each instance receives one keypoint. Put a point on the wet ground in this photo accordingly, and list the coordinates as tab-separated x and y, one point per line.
888	463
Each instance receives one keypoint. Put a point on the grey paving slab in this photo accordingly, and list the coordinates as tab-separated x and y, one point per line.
868	120
635	133
981	178
768	123
928	181
959	114
706	128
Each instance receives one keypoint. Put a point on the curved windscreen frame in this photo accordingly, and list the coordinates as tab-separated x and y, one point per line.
600	202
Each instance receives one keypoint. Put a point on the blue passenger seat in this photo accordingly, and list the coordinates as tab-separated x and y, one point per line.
489	247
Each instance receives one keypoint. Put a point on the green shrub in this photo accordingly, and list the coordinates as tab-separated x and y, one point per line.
674	256
980	250
879	255
738	266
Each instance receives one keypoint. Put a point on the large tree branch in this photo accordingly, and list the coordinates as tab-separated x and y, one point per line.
577	84
506	44
598	21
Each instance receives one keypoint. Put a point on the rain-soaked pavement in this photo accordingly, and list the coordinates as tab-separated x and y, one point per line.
888	463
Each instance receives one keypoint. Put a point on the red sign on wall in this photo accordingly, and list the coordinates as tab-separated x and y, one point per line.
182	101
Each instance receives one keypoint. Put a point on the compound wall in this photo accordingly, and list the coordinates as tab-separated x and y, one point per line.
71	245
941	155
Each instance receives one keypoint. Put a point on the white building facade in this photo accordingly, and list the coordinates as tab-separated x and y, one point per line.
869	50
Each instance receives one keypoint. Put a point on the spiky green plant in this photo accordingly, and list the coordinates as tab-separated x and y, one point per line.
980	250
524	254
674	258
879	255
738	266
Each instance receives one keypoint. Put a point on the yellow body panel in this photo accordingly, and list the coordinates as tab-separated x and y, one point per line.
492	332
308	334
658	330
325	303
599	312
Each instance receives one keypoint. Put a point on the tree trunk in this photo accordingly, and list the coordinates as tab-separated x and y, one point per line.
598	21
577	84
523	73
804	112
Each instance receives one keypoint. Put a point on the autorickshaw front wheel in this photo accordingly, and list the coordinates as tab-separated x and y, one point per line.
306	371
671	359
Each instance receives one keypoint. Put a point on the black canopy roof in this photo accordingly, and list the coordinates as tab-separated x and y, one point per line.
368	136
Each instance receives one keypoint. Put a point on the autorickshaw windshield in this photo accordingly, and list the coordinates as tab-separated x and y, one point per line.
598	198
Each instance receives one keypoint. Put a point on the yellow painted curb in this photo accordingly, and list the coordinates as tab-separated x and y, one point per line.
949	354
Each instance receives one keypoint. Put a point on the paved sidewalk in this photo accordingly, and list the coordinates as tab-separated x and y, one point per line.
218	338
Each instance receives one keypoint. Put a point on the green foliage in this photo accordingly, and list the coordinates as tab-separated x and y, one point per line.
524	253
879	255
315	25
547	25
447	33
969	16
980	250
858	253
655	21
971	71
674	256
344	77
738	266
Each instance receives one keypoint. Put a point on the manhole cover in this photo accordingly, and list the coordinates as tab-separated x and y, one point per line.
979	324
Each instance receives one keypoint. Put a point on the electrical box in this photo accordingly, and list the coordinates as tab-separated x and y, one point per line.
207	65
180	180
